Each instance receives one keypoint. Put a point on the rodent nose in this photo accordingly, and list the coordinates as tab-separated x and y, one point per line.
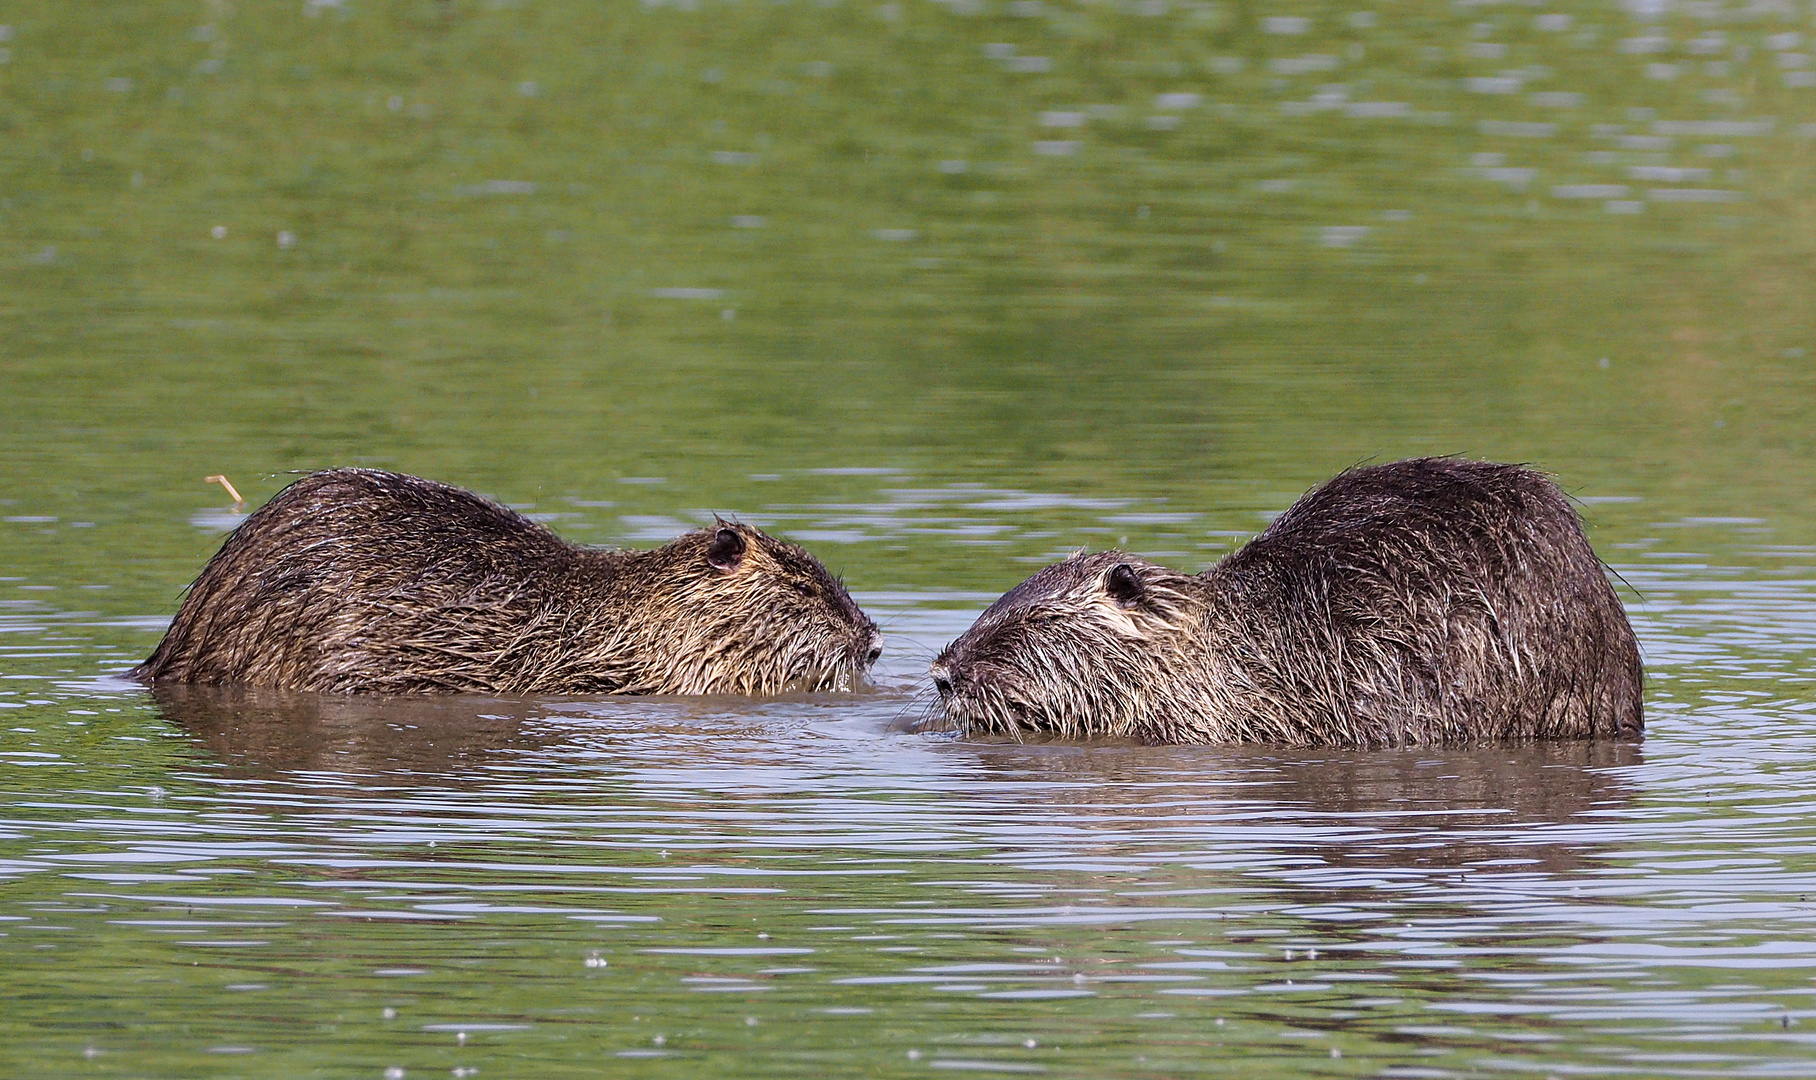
876	650
942	680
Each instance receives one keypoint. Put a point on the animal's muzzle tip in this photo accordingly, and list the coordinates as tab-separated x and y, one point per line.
942	679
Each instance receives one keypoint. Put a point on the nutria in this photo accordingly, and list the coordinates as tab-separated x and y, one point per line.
1422	602
361	581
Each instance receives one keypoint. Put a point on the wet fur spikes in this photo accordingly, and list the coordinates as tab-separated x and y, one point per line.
1423	602
361	581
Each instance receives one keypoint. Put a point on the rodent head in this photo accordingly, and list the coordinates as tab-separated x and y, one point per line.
1086	647
737	611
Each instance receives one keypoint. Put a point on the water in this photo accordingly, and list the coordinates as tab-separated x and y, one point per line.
944	291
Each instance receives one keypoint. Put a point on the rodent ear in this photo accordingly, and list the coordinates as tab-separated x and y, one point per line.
1124	585
726	551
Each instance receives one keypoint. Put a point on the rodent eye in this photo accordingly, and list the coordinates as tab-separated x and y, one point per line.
801	587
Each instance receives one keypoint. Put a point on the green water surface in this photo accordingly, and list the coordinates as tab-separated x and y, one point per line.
943	290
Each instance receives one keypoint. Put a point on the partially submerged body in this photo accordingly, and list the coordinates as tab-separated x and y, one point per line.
1421	602
361	581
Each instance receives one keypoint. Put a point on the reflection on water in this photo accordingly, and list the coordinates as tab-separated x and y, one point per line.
944	291
269	733
471	883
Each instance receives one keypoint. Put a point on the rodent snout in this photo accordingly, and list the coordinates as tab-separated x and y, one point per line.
942	679
867	647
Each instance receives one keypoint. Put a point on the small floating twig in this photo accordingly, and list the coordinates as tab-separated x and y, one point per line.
238	503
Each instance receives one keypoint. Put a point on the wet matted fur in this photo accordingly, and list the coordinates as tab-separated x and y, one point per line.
1422	602
361	581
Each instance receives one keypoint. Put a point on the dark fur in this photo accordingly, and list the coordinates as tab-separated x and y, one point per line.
1422	602
360	581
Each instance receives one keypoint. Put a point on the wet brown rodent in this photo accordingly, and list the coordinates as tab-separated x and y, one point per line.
361	581
1422	602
